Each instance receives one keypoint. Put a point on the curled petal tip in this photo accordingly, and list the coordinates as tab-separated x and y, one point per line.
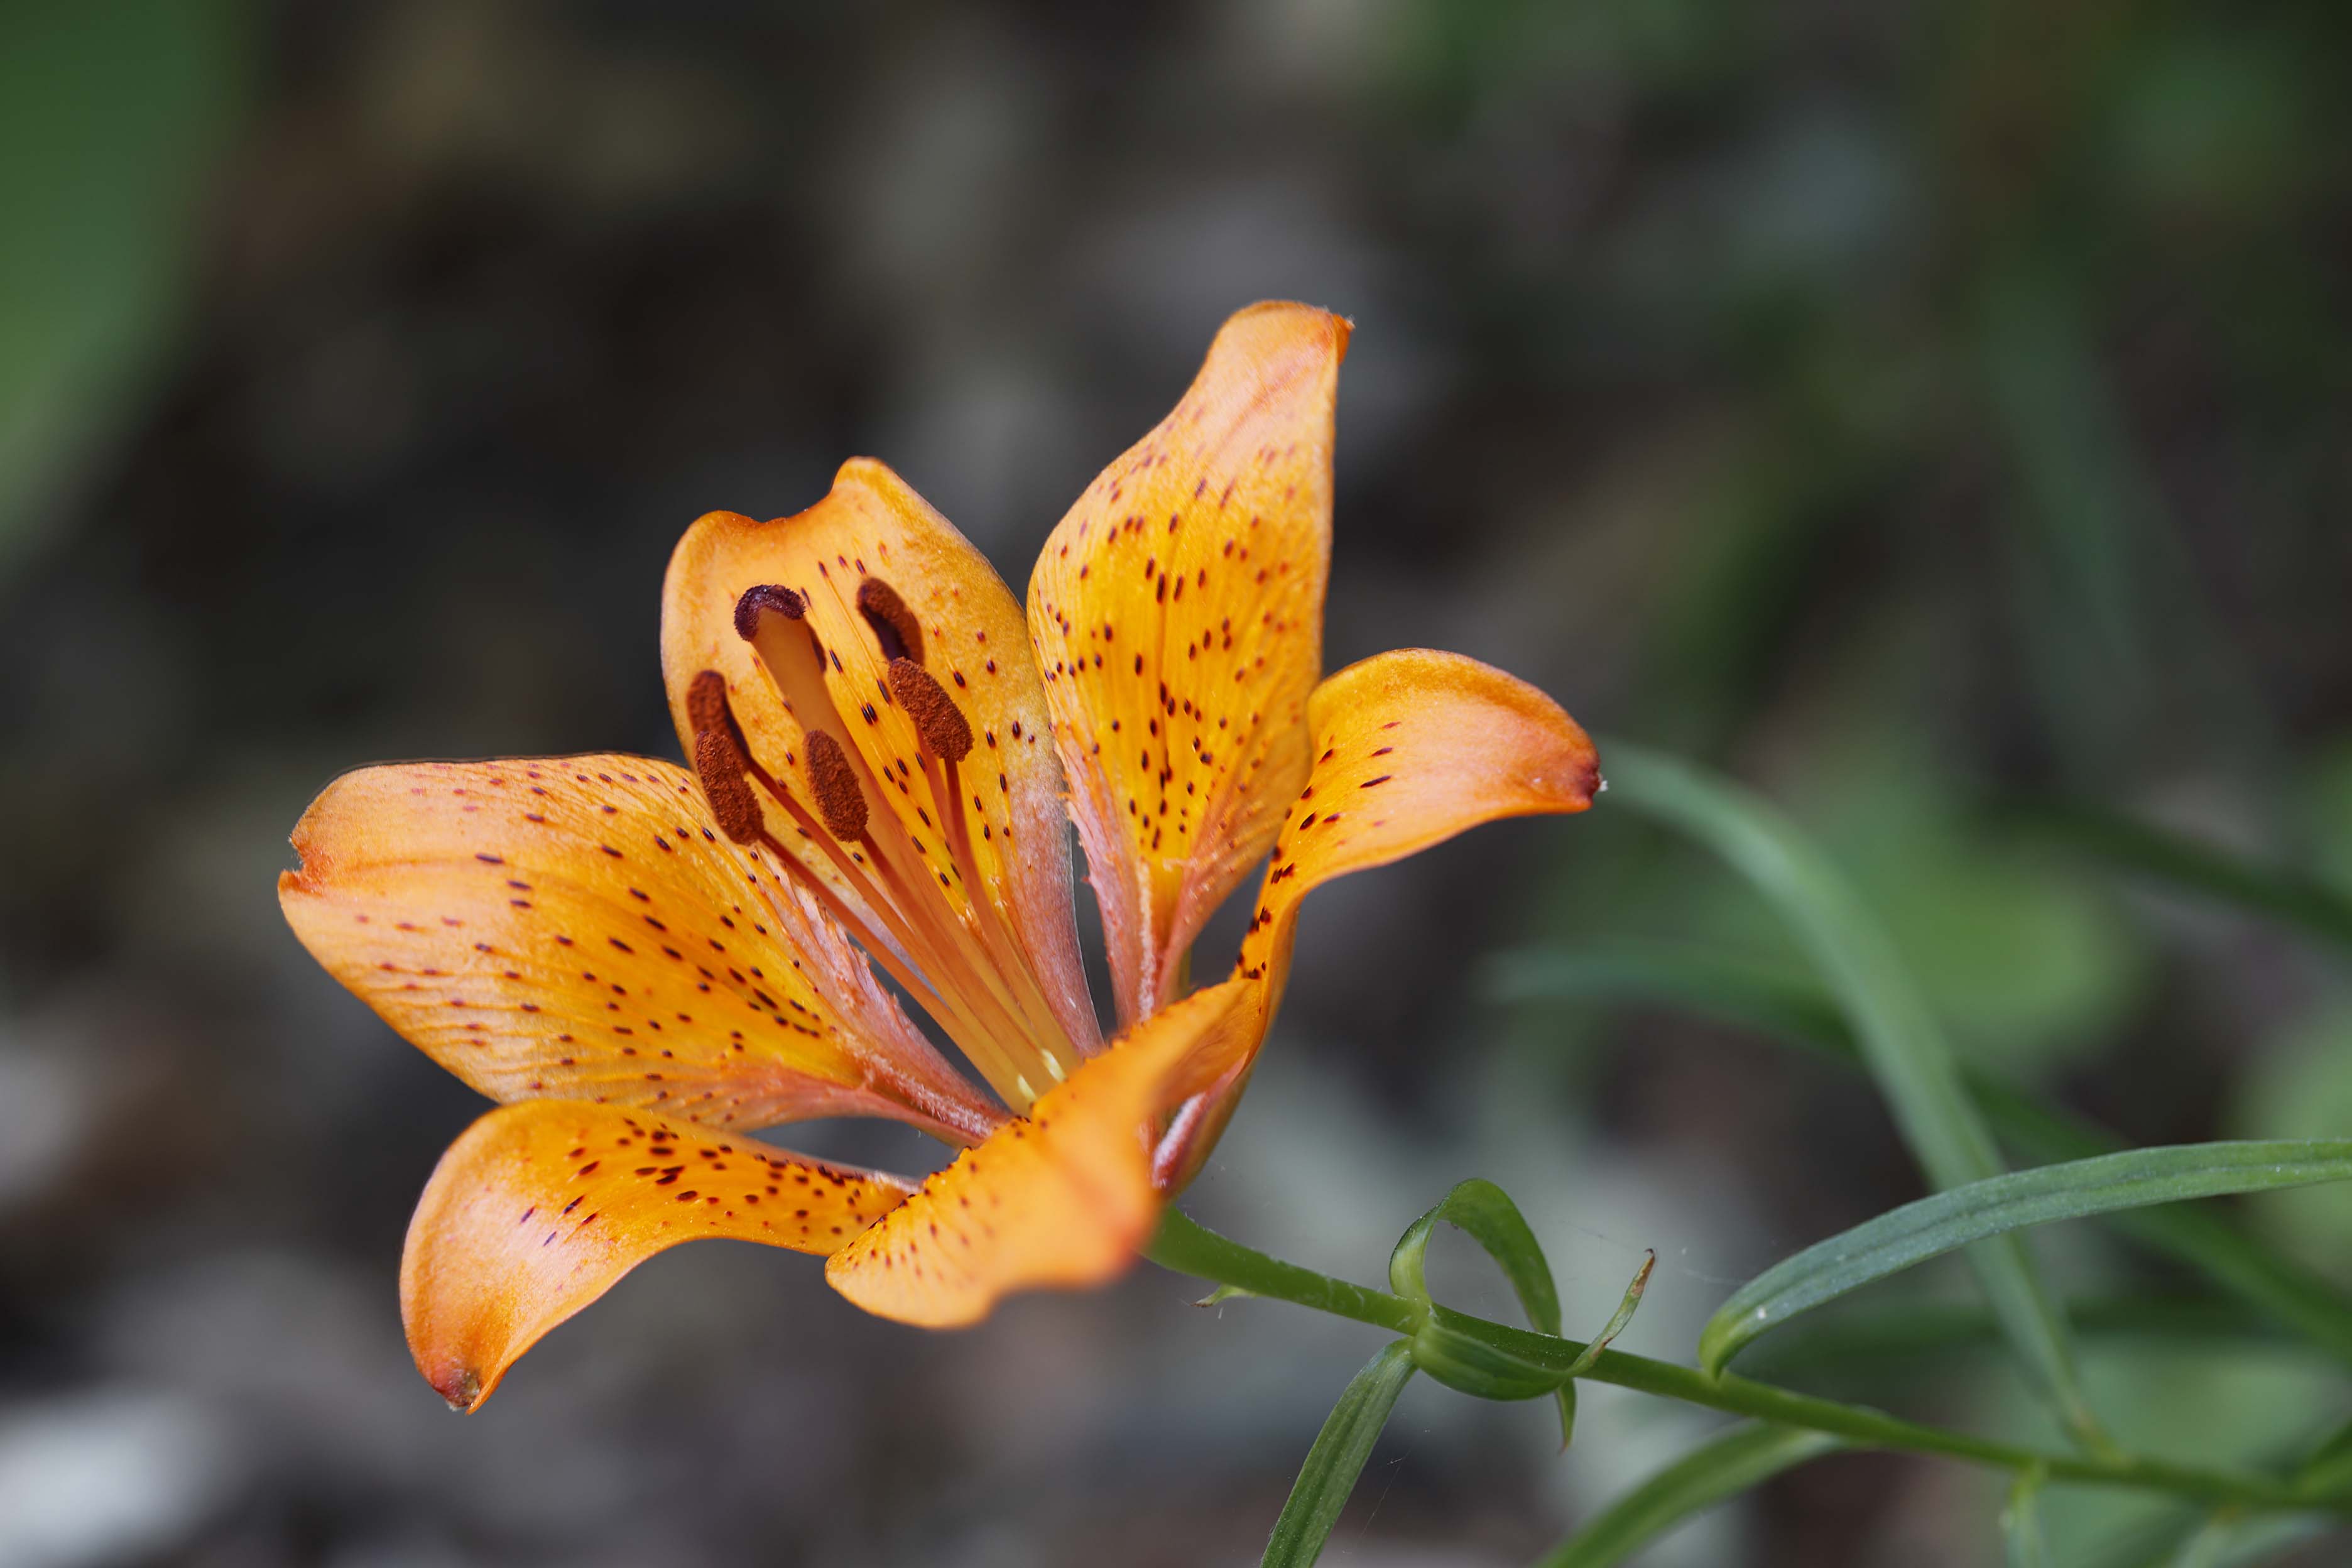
1413	747
462	1388
864	473
1578	779
538	1208
1341	327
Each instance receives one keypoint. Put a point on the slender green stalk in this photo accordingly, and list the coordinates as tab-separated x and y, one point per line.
1187	1247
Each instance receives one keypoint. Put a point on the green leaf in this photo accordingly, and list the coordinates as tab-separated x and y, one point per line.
1934	1225
2218	1538
1464	1355
2297	1083
2210	1539
1485	1214
2020	1521
2193	865
1796	1008
1772	997
2226	1540
110	118
1911	1335
1747	1455
1626	1307
2329	1464
1900	1043
1338	1458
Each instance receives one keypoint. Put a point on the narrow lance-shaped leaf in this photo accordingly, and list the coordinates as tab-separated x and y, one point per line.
1904	1049
1626	1307
1796	1008
2192	865
1912	1334
1781	1002
1485	1213
2020	1521
2208	1538
2224	1537
1747	1455
1587	1358
1338	1458
1934	1225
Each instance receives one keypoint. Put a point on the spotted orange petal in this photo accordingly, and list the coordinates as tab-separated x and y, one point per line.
538	1208
1410	748
1178	613
1006	971
574	928
1062	1199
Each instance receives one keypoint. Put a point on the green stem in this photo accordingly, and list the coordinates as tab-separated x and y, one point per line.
1187	1247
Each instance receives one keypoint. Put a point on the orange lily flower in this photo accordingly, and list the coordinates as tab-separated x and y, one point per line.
644	963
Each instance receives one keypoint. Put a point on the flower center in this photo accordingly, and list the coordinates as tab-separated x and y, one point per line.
932	912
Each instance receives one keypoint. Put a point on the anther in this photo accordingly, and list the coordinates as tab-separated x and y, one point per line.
945	731
766	596
705	702
721	766
895	626
834	781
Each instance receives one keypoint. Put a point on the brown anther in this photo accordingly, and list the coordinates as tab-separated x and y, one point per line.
766	596
705	702
945	731
834	783
895	626
720	766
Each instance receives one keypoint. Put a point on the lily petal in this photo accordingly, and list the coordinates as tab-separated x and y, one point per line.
574	928
1008	971
1062	1199
1178	613
538	1208
1410	748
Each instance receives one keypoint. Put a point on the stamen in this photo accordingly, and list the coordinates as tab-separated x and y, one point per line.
833	782
895	626
854	924
766	596
989	1001
945	732
720	763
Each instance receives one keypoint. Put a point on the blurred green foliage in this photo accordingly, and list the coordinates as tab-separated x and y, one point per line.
2305	1084
111	119
2027	963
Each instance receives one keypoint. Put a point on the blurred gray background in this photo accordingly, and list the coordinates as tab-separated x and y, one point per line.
1925	411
